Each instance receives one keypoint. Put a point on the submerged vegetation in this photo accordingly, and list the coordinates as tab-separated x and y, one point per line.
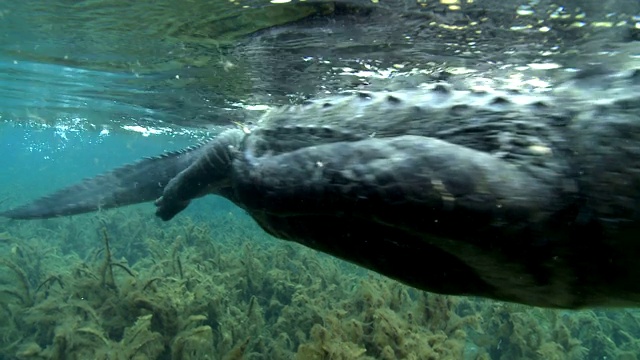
115	285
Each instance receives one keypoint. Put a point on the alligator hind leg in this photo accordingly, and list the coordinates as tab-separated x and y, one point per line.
209	174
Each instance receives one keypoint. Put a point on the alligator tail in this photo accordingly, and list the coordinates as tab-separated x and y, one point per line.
135	183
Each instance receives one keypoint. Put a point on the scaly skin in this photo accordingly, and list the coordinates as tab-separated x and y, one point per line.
525	198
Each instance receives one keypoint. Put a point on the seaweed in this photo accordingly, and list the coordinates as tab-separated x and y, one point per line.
23	293
183	291
106	270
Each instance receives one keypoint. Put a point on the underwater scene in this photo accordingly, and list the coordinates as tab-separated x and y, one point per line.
89	86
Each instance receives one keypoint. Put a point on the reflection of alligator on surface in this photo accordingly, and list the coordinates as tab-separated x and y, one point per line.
290	52
204	65
359	44
523	197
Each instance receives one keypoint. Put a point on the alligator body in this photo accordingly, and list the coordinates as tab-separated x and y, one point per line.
528	198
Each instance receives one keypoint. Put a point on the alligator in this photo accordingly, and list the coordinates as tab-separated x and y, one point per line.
516	196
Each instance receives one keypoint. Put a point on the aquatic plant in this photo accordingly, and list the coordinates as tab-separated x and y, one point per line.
117	286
